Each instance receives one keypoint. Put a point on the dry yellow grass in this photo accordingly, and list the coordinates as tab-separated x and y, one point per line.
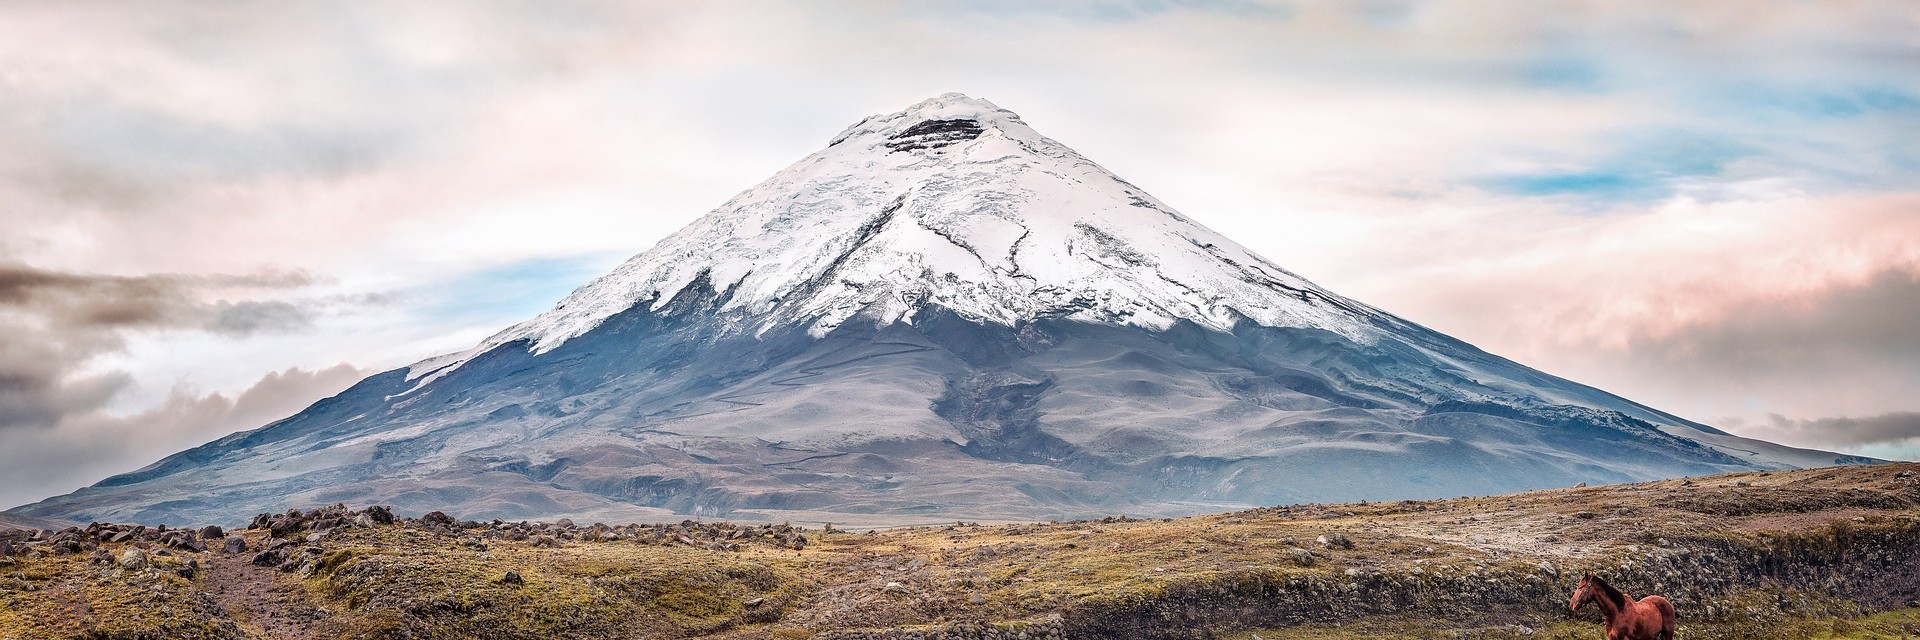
1782	554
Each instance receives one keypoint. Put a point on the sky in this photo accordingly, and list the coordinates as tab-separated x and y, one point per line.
214	214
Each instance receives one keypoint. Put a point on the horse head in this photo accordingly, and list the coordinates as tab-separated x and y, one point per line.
1583	594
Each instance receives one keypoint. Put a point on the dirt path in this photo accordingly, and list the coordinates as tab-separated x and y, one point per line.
266	603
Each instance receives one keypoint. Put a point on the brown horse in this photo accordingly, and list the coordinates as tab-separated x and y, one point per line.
1651	618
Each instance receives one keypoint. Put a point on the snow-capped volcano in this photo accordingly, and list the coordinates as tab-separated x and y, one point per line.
941	314
953	203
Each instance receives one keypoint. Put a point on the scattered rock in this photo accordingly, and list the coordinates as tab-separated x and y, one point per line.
212	532
269	558
234	544
512	577
133	559
1335	541
438	520
1302	556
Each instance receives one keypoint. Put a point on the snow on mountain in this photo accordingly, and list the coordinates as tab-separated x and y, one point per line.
952	202
942	314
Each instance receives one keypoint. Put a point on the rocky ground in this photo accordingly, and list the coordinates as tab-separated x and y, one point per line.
1823	553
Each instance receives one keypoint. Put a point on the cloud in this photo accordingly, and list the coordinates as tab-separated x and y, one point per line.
1818	332
83	447
55	324
1778	301
149	301
1887	431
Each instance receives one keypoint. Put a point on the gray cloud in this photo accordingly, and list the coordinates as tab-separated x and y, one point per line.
91	301
1850	349
1895	428
248	317
1816	336
85	447
54	324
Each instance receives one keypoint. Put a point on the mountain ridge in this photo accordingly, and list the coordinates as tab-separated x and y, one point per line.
926	319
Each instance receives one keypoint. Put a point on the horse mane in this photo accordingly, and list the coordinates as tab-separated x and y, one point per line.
1619	599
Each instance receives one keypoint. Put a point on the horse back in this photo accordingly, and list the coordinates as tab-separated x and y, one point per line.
1662	604
1668	618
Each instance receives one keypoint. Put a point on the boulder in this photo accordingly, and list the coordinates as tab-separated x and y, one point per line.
133	559
1336	541
212	532
269	558
284	526
438	519
235	544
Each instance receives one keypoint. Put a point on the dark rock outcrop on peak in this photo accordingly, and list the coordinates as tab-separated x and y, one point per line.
934	134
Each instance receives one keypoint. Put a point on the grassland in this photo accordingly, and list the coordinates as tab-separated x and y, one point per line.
1824	553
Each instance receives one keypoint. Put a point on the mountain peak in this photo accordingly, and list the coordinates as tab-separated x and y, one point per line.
946	111
942	312
952	203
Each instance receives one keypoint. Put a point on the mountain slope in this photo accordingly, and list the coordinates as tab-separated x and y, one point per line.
942	314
